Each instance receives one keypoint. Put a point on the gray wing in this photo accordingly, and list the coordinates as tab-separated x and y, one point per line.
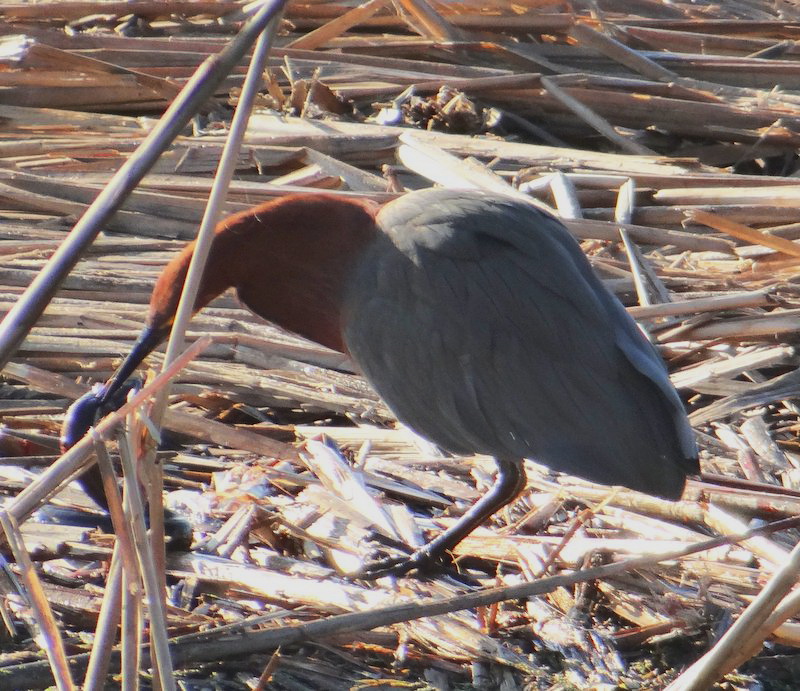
480	322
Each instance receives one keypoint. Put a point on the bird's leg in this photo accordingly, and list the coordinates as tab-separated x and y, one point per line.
508	484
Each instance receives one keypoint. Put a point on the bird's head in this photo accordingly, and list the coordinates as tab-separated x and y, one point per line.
288	259
110	396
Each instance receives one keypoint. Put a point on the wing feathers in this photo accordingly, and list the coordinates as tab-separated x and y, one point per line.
480	322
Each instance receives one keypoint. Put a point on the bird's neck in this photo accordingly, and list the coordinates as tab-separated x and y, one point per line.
289	260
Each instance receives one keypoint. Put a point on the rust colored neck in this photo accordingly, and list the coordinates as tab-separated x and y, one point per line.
289	260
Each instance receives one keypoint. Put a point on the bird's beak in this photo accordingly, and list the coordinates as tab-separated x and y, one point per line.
150	337
110	396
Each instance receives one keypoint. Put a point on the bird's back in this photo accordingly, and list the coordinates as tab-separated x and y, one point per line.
480	322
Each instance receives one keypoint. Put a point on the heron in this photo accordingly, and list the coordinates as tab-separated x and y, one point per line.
475	316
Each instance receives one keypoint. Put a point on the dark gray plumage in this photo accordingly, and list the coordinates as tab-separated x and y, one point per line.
480	322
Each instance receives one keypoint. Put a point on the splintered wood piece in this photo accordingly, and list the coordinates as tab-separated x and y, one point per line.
336	27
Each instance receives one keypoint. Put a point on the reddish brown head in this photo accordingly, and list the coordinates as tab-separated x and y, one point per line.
289	261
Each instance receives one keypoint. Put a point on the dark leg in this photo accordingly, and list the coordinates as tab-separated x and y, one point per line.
507	485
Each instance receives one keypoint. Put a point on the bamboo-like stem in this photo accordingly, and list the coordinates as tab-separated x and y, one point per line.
197	91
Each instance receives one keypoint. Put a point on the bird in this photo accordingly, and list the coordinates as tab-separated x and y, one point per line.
475	316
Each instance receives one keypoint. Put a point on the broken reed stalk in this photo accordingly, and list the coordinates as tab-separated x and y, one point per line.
122	531
213	210
738	644
187	649
743	232
361	621
19	320
133	652
153	590
51	640
105	635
